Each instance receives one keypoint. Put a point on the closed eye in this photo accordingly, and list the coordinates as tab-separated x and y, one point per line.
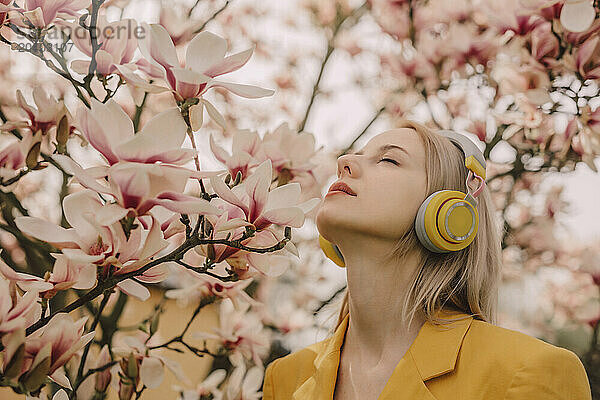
390	160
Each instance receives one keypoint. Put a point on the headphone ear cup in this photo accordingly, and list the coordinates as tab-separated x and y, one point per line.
420	225
331	251
446	222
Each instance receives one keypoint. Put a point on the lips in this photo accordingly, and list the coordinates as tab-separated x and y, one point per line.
341	187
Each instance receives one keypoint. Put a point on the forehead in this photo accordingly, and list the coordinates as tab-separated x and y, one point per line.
403	137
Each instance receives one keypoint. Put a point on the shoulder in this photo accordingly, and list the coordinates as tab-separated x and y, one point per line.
513	344
536	369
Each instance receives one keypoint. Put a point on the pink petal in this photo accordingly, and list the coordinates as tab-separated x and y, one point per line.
183	204
154	241
189	76
585	51
157	46
87	277
84	178
80	66
47	231
104	62
132	288
165	131
36	17
248	91
214	114
257	187
137	82
133	185
218	151
110	213
205	50
229	64
78	208
227	195
292	216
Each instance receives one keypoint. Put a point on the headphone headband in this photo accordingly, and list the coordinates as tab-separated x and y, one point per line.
474	159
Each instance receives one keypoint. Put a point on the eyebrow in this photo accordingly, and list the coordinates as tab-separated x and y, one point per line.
386	147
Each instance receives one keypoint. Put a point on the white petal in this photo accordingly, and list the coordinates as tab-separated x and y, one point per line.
248	91
60	395
152	372
214	114
189	76
46	231
205	50
577	16
132	288
196	116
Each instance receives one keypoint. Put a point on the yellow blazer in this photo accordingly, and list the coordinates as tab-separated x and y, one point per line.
470	360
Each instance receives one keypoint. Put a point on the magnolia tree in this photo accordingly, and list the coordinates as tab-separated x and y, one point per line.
132	97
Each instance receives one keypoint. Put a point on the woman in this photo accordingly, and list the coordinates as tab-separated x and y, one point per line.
418	318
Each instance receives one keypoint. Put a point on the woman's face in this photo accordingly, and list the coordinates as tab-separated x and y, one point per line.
390	185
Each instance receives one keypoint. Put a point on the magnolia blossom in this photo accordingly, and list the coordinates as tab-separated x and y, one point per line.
118	43
104	377
511	15
591	118
140	187
13	157
544	44
197	286
587	58
103	245
16	311
288	150
41	13
46	113
247	264
261	206
530	80
240	332
110	131
45	351
245	147
205	59
150	366
66	274
587	143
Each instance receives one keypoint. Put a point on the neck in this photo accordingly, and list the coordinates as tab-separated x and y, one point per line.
376	336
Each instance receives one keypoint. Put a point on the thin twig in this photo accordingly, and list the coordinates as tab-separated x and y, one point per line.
330	48
86	350
219	11
364	130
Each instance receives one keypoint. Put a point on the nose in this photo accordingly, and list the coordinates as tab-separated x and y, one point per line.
344	163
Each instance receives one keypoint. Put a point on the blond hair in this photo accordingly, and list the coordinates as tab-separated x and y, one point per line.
466	280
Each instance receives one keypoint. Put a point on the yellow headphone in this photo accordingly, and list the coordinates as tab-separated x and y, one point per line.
448	219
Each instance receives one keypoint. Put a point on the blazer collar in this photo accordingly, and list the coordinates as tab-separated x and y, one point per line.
433	353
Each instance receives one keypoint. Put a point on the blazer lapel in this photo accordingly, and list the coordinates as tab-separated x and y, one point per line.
432	354
321	385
